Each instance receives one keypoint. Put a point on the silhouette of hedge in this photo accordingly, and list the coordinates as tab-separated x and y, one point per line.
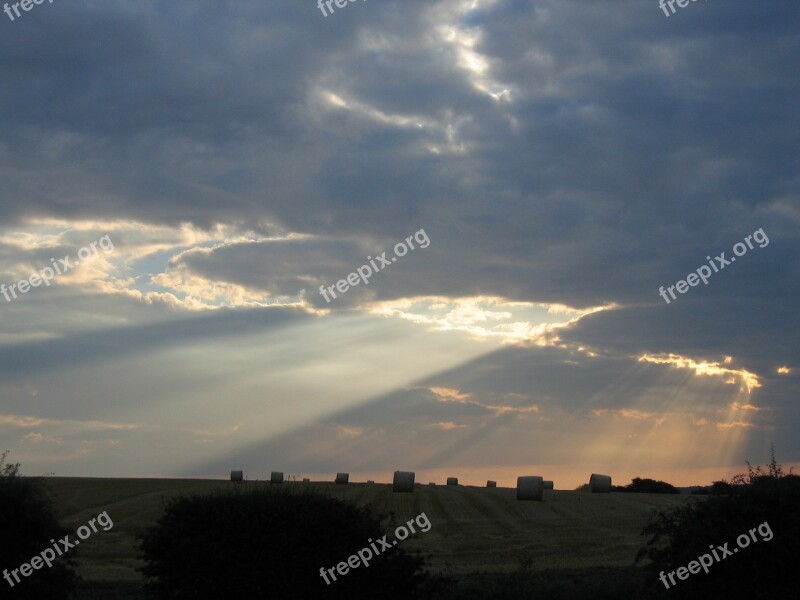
262	542
27	524
764	569
647	486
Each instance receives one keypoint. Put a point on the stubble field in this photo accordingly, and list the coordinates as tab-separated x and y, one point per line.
474	530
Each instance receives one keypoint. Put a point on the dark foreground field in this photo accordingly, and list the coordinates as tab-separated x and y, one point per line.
478	535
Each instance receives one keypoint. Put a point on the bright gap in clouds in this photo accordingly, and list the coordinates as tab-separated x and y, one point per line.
487	317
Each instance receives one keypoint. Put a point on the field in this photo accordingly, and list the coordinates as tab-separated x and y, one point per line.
474	530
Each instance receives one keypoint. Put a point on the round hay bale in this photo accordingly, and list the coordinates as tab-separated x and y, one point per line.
342	478
530	487
491	483
237	475
548	485
403	481
452	481
599	484
276	477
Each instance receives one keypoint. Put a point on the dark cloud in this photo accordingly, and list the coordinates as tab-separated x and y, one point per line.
556	151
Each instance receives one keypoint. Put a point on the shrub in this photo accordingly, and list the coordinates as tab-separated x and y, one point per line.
262	542
762	570
27	524
648	486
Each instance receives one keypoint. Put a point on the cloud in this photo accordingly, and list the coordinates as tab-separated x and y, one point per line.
25	422
565	158
449	426
747	380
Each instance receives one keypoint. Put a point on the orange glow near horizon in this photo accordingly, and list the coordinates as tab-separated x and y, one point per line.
564	477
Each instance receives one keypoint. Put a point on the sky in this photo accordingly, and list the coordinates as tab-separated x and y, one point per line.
525	185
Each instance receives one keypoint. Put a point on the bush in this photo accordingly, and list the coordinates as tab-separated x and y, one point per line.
762	570
648	486
259	542
27	524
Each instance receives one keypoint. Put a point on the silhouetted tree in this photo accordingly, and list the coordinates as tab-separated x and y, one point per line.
262	542
648	486
27	524
765	569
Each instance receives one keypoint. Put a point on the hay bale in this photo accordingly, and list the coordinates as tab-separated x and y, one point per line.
530	487
276	477
403	481
491	483
237	475
599	484
370	481
342	478
306	480
452	481
548	485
